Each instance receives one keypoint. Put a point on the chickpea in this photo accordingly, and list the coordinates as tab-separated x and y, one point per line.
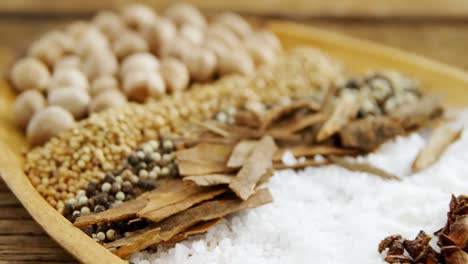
201	63
269	38
68	62
129	43
220	32
77	29
106	100
235	23
261	52
142	85
71	99
26	105
100	62
191	33
159	34
109	23
236	62
46	50
28	74
137	16
68	77
48	123
183	13
90	41
103	84
175	74
177	48
139	62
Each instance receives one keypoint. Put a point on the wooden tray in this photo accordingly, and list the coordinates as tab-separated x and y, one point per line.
358	55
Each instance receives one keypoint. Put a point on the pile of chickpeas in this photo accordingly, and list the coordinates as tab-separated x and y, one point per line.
131	55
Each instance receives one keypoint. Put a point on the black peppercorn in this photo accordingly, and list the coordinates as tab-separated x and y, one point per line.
68	210
127	187
91	189
109	178
89	230
99	208
148	159
133	160
75	215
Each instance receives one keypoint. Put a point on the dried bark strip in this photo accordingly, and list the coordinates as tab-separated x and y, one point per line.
180	222
157	215
210	179
172	197
255	166
214	128
345	109
241	152
203	159
247	118
369	133
363	167
300	165
276	113
166	194
124	211
194	230
440	139
300	151
296	124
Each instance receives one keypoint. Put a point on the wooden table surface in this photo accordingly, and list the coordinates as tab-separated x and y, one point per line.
22	240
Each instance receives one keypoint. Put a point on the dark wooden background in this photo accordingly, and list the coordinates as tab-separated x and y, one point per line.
433	28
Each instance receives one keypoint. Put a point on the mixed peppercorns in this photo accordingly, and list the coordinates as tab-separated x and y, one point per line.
137	174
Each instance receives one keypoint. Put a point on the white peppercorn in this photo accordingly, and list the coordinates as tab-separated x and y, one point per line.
26	105
82	200
101	236
106	187
47	123
29	74
85	210
120	196
110	234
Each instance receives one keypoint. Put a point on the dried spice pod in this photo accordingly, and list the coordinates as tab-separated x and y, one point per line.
439	141
241	152
345	109
454	255
369	133
254	167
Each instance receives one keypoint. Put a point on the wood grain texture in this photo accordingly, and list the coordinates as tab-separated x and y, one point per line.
339	8
437	40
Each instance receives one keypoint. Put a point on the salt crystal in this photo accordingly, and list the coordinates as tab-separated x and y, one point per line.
288	158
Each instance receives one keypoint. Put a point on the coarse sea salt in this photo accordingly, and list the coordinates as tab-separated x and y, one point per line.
331	215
